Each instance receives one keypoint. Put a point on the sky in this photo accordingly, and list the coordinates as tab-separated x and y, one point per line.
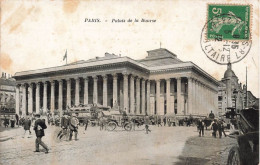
35	34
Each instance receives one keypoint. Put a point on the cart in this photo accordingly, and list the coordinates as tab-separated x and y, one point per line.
246	151
114	119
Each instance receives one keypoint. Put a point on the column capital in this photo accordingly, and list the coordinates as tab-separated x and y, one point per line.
168	79
191	79
158	80
68	79
132	77
95	78
104	77
143	79
31	84
114	75
60	81
52	82
76	78
138	78
85	77
125	73
178	78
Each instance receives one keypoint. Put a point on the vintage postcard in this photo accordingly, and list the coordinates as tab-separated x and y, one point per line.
125	82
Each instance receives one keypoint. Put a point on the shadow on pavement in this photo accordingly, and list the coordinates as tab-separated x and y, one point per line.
205	150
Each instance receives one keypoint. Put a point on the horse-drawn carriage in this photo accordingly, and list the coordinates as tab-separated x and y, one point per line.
246	151
115	119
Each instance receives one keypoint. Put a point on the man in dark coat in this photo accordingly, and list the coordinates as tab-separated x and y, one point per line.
215	128
65	121
39	127
201	127
74	122
17	119
26	126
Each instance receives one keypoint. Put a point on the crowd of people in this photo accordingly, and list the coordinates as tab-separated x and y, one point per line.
69	125
217	125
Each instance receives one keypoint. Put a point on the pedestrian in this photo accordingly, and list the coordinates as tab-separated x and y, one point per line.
133	122
101	123
39	127
211	115
215	128
65	121
26	126
86	124
74	122
17	119
6	122
159	122
164	121
221	128
12	122
147	124
201	127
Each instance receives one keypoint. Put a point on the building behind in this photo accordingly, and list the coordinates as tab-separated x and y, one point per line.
158	84
231	93
7	92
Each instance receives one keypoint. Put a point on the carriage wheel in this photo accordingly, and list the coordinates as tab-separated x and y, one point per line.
128	127
111	126
233	156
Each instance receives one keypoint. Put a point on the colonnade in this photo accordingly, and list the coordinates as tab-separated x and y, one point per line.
192	96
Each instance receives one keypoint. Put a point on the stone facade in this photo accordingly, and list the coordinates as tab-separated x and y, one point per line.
231	93
158	84
7	92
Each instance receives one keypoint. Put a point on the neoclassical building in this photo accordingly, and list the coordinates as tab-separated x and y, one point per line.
158	84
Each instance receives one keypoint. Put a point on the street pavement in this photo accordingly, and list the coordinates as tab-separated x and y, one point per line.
164	145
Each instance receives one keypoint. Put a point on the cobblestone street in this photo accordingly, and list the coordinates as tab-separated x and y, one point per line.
164	145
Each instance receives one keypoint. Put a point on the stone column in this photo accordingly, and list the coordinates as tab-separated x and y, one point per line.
68	92
190	96
201	101
37	97
60	95
95	93
179	104
168	95
132	99
52	96
77	91
86	90
194	100
126	93
45	96
17	99
24	99
158	97
138	95
30	98
143	97
105	90
115	89
148	99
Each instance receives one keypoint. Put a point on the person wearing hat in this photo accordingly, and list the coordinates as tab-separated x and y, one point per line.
39	127
201	125
74	122
65	121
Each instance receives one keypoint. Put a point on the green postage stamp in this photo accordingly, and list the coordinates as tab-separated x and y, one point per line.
228	22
